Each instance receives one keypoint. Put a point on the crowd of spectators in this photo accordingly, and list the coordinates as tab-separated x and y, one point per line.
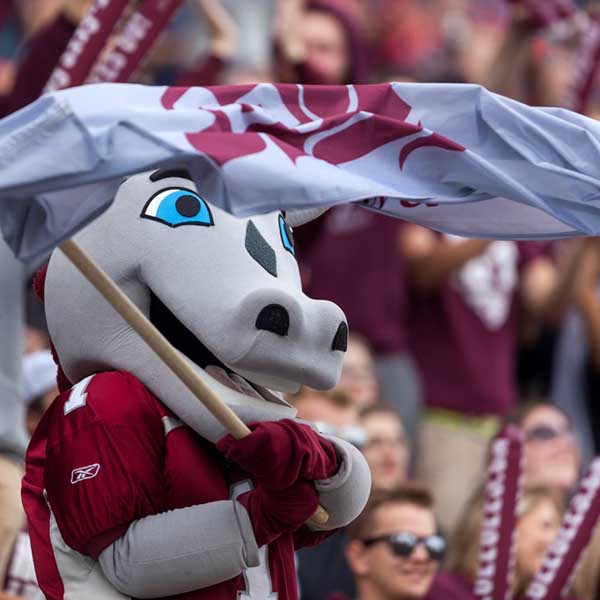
450	337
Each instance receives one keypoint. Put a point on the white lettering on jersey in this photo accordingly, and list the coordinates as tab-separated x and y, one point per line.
78	395
488	282
82	473
258	579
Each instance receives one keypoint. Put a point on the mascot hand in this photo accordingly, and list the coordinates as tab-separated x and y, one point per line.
273	512
279	453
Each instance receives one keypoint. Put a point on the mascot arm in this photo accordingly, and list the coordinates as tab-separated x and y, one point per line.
281	453
164	555
345	494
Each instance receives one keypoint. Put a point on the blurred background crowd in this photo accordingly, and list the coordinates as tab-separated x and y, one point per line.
450	337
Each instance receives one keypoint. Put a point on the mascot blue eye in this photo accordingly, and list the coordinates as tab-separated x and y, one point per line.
287	237
177	206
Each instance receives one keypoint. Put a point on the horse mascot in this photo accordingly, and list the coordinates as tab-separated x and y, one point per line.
132	488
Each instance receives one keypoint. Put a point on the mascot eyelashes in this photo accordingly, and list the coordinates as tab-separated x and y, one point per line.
132	488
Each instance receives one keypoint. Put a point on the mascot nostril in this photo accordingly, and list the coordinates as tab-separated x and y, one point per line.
274	318
340	340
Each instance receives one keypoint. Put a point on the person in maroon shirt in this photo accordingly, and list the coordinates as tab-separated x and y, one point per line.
318	43
107	454
394	549
464	303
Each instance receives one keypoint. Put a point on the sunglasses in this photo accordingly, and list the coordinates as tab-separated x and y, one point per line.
545	433
404	543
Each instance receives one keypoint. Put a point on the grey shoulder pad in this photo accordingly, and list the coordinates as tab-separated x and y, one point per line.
181	550
345	494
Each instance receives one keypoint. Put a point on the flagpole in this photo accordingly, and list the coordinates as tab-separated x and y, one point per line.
157	341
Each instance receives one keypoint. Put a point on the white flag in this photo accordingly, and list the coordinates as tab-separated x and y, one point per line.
449	156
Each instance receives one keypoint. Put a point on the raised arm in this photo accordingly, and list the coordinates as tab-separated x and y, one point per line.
431	259
224	32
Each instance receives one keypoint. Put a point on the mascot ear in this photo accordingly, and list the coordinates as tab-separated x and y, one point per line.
295	218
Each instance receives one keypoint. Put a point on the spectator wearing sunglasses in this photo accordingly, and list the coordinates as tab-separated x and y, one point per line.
552	454
539	513
394	549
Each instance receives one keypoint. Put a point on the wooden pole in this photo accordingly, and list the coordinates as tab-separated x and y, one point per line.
157	341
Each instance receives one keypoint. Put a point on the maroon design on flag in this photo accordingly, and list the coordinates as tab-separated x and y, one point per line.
86	44
349	123
496	552
135	40
573	536
585	68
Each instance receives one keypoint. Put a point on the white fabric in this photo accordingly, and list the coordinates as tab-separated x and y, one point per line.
39	374
456	154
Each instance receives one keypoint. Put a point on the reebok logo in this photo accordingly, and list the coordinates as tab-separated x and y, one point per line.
82	473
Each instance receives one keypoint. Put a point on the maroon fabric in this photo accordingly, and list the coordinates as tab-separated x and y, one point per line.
274	512
86	44
206	72
464	335
135	40
39	59
118	426
495	569
450	586
279	453
351	257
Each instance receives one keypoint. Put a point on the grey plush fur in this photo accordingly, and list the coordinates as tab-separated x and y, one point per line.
181	550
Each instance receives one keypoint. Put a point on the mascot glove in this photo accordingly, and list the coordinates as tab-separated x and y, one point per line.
273	512
279	453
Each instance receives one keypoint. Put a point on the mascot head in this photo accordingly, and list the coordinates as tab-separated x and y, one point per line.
225	291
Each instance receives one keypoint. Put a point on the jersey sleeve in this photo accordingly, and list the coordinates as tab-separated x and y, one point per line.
104	460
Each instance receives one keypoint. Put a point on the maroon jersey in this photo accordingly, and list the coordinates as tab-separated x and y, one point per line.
354	261
107	453
464	334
